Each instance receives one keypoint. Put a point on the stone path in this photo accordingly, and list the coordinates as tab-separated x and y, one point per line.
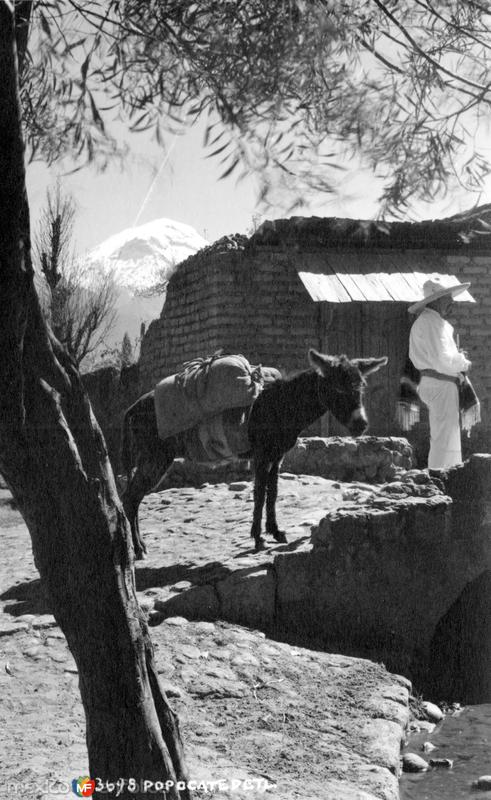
293	722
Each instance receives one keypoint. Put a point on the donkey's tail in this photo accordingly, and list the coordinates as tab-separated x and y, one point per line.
126	449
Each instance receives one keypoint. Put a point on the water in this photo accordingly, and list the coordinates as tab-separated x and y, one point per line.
464	738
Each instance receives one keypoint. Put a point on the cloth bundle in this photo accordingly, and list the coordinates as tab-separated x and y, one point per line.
203	389
220	438
408	403
470	407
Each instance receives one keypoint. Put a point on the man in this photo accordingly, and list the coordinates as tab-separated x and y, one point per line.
433	351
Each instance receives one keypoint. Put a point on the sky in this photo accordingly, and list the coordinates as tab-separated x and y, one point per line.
186	189
183	185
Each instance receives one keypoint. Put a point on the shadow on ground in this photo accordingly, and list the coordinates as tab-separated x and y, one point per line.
28	598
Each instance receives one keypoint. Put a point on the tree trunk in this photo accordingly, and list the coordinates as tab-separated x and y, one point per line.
54	459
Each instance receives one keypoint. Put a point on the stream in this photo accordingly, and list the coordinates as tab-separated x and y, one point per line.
465	738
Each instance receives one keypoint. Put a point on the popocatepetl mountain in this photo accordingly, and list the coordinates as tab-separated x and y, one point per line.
139	258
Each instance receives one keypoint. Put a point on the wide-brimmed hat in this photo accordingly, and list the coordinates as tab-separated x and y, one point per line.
434	288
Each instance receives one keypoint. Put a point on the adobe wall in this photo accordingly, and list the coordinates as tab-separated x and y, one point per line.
473	323
244	295
111	391
224	298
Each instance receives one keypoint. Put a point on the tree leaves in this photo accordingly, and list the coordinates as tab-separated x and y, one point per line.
400	85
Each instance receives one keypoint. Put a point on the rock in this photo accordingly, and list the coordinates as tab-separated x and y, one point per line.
382	743
483	783
27	618
181	586
245	659
179	622
205	627
8	628
33	652
222	655
427	747
189	651
171	690
421	725
60	658
413	763
221	673
239	486
44	621
432	711
446	763
146	604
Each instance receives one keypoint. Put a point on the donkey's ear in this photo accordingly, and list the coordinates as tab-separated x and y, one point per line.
368	365
320	362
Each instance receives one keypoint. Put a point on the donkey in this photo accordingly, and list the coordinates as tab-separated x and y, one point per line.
277	417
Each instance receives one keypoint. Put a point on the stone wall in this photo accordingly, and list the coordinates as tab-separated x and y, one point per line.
381	575
400	573
368	458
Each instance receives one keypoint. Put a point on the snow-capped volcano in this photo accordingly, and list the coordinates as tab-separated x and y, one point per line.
138	259
143	256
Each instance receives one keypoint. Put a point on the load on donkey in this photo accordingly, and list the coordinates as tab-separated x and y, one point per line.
221	407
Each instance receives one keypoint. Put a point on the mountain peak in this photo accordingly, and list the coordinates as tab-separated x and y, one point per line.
144	255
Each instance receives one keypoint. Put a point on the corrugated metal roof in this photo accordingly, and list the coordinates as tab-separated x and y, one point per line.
338	286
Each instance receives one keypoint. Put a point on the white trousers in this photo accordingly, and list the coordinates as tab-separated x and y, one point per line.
442	399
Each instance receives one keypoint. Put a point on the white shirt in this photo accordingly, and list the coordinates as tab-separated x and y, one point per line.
432	346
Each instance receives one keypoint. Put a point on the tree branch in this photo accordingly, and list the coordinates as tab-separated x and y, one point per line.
379	56
479	87
451	24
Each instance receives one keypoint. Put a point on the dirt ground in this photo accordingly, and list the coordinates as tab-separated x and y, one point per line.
258	717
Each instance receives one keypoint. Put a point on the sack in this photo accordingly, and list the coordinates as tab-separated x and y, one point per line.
204	388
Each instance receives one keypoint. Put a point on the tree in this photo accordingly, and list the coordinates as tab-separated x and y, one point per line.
126	351
288	87
291	89
82	304
54	459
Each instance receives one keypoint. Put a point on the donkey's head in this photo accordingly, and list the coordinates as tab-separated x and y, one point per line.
342	384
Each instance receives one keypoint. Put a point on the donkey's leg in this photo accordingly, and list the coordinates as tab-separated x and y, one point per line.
261	472
132	497
271	495
147	474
